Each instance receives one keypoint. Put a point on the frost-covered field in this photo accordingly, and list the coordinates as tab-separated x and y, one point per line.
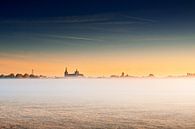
97	103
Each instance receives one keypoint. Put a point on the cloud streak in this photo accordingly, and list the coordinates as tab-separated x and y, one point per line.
140	18
73	38
114	18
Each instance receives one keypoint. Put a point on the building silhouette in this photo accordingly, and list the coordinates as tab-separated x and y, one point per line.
190	74
122	74
75	74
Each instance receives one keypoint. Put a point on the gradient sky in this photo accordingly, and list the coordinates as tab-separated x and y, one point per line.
98	37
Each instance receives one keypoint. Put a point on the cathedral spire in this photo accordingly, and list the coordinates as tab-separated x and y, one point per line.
65	72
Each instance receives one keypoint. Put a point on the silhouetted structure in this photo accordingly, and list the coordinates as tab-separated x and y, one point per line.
190	74
19	75
151	75
34	76
26	75
11	75
122	74
75	74
114	76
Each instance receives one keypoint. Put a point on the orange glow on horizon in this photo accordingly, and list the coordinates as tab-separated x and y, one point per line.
102	66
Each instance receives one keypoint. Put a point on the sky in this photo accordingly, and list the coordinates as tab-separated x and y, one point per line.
98	37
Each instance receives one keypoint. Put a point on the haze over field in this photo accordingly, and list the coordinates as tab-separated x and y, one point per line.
97	103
